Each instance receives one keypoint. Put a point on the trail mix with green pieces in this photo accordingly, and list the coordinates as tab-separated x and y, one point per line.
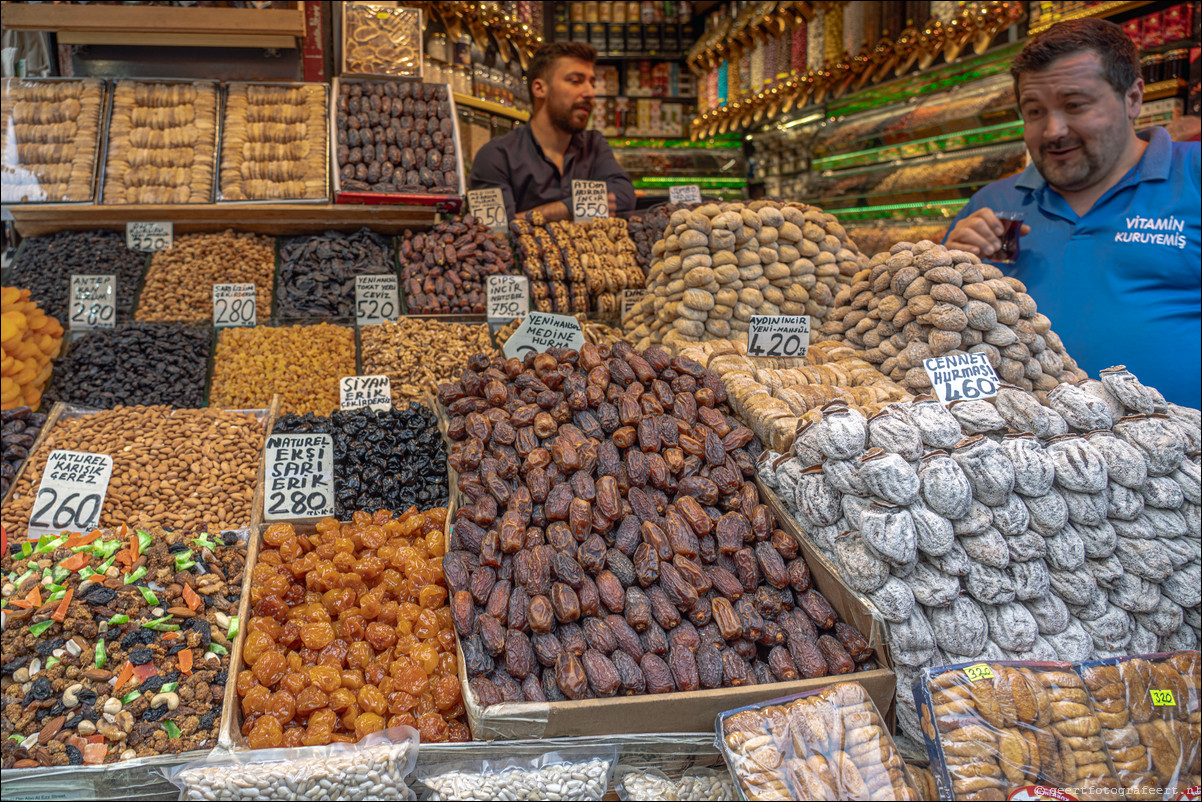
116	644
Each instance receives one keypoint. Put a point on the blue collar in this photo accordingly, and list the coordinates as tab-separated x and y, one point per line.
1154	165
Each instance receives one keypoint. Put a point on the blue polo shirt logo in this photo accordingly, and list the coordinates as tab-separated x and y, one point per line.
1140	231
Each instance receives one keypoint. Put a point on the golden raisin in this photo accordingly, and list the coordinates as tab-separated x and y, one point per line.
371	700
270	668
266	734
317	636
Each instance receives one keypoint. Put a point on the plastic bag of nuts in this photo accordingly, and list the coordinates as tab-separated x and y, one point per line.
580	773
373	768
653	784
829	744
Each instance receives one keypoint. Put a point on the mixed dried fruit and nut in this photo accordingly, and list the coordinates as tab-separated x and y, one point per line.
350	633
610	541
116	644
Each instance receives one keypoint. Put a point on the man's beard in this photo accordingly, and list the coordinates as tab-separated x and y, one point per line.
1086	168
563	118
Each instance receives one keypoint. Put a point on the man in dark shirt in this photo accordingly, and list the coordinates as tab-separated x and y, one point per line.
534	166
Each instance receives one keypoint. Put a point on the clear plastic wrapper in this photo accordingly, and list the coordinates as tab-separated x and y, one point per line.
994	729
162	142
50	139
381	40
373	768
829	744
273	143
653	784
1148	708
570	773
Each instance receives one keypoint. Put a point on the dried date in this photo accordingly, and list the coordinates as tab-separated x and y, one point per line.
656	674
838	661
570	676
602	675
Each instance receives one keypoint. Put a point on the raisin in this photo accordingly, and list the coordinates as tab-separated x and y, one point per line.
570	676
735	670
838	661
782	665
629	674
656	674
709	666
817	608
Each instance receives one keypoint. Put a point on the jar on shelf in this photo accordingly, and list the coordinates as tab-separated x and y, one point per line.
437	48
462	76
462	50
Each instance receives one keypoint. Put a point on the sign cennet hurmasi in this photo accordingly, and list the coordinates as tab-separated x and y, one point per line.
93	302
300	477
71	493
961	377
377	300
149	237
488	207
508	297
540	331
590	199
373	392
234	305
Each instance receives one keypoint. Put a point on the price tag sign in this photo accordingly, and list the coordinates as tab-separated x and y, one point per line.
149	237
508	297
93	302
376	300
356	392
590	199
300	477
1163	698
961	377
631	299
488	206
540	331
234	305
978	672
779	335
686	193
71	494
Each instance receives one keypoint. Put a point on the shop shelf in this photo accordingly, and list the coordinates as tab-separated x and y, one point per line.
158	26
491	108
1101	10
267	218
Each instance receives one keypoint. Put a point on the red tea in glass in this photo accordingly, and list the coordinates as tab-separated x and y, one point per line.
1007	254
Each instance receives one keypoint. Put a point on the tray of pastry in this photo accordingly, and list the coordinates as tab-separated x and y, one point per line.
273	143
381	39
50	139
162	142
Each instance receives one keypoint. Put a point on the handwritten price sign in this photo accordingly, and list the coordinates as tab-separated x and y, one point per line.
149	237
590	200
488	206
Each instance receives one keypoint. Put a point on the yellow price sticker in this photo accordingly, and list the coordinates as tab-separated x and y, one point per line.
381	15
1163	699
978	672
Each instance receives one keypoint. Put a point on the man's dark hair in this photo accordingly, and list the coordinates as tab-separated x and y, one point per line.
546	56
1118	54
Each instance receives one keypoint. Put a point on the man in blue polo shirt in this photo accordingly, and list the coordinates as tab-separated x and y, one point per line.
1111	240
